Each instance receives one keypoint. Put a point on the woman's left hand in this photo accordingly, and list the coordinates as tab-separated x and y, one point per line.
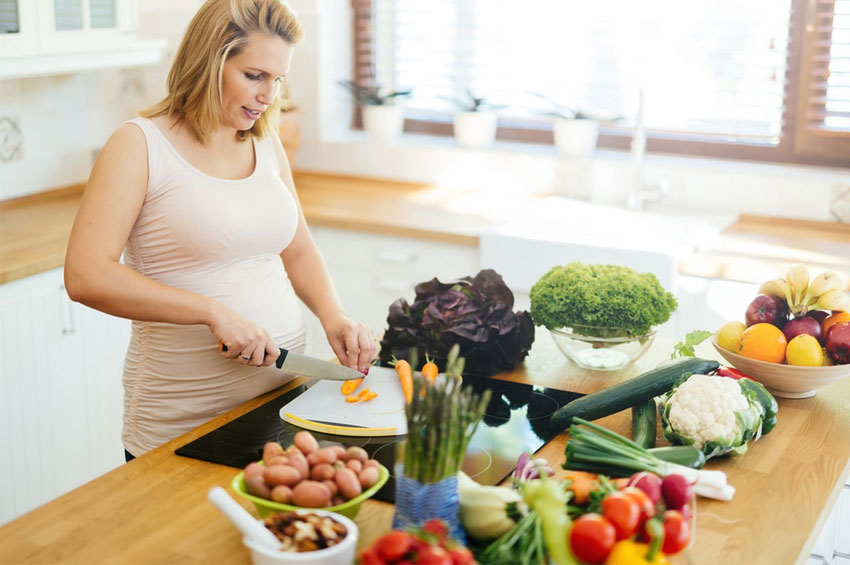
353	343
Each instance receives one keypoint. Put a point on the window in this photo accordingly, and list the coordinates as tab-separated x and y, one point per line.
9	16
761	80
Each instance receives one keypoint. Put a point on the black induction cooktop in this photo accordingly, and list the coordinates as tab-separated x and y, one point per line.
516	420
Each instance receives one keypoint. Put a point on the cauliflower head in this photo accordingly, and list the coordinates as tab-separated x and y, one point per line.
713	413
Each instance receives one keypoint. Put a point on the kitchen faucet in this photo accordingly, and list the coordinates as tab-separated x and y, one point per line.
640	191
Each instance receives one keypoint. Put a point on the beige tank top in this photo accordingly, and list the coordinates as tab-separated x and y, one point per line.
222	239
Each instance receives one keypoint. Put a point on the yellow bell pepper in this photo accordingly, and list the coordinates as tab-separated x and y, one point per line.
628	552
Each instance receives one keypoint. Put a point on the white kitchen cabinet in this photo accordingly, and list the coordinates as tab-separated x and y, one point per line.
371	271
60	392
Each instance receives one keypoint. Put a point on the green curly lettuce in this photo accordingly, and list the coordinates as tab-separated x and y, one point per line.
600	300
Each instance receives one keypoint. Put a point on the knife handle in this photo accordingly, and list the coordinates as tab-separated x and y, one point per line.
278	363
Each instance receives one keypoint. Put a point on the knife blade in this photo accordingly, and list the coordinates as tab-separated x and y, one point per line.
305	366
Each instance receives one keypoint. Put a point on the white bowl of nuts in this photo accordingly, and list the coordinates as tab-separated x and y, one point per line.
308	537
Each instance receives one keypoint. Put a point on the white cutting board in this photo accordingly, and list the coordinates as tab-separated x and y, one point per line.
323	404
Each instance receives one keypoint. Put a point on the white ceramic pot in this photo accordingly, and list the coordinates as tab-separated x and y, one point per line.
475	129
576	138
383	123
343	552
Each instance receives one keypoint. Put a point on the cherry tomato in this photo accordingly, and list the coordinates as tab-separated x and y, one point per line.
437	528
393	546
369	556
677	532
592	537
647	509
434	555
461	556
623	512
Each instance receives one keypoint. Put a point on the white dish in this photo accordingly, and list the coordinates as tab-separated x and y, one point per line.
343	552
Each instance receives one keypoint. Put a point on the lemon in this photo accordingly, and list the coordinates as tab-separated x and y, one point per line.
804	350
729	334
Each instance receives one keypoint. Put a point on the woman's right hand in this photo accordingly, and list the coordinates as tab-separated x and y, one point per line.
245	342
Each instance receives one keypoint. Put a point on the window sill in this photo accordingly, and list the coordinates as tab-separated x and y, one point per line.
130	54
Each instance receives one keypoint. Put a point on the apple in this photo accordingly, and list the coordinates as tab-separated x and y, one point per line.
805	325
819	315
767	309
838	342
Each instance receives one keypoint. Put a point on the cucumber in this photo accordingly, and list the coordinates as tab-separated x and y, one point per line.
685	455
628	393
644	423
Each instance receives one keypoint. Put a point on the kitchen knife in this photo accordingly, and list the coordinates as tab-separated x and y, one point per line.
305	366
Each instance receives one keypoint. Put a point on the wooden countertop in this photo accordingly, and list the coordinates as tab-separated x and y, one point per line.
34	229
154	509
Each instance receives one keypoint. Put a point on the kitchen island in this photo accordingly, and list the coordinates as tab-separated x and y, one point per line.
154	509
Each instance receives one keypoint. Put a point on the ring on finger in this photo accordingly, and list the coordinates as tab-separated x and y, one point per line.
246	357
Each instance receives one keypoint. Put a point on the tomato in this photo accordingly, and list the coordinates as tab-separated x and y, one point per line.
592	537
369	556
677	532
461	556
434	555
436	527
647	509
623	512
393	546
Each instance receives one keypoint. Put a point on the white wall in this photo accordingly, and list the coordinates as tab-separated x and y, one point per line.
63	120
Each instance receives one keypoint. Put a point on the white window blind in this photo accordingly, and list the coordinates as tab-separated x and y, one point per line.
102	13
829	96
9	16
709	68
68	14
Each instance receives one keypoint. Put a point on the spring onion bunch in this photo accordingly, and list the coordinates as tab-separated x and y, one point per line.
595	449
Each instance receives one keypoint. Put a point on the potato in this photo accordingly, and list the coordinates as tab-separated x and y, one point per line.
299	461
355	465
254	469
371	463
256	485
282	494
358	453
349	485
337	500
368	476
282	475
332	486
326	455
322	472
277	460
305	441
271	450
311	494
339	451
338	464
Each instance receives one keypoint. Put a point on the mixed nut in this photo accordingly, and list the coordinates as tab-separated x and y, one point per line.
305	532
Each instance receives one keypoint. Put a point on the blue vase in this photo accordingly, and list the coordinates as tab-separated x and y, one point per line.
416	503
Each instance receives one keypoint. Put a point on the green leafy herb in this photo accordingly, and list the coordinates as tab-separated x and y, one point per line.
685	348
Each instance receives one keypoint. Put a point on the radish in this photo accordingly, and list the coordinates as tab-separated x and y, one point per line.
650	483
677	491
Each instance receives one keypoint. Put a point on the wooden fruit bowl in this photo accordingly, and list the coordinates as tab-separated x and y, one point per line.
785	381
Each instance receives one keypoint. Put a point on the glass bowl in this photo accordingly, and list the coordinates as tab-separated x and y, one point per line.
616	351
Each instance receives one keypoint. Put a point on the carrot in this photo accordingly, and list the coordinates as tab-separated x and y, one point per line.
405	377
581	485
364	392
350	386
430	369
370	396
352	399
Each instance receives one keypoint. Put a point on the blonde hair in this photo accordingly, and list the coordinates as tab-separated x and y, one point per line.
218	31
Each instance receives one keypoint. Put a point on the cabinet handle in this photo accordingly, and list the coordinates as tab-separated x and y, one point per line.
68	325
392	256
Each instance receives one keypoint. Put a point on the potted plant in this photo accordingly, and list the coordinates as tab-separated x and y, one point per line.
383	120
475	122
575	131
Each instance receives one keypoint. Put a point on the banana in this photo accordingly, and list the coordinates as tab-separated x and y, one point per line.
833	300
778	288
797	277
820	285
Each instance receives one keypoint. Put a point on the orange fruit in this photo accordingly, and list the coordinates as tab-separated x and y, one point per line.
830	321
764	342
805	351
